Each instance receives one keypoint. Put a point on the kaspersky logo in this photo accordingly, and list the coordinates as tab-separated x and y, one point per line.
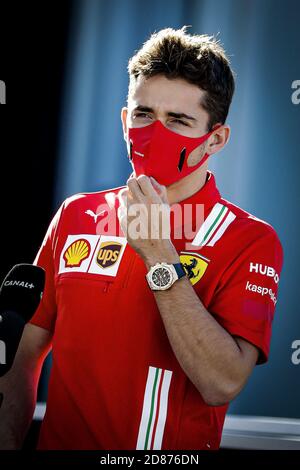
108	254
261	290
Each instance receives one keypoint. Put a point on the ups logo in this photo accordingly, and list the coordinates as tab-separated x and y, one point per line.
108	254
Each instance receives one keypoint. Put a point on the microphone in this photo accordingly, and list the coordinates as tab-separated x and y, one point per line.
20	295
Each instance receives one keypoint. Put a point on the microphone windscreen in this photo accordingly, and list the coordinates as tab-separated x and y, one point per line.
22	290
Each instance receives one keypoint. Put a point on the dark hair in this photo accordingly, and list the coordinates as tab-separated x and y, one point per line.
199	59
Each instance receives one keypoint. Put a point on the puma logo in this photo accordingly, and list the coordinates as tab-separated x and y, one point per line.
95	216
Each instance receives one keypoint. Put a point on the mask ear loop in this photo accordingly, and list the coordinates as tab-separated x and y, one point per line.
205	156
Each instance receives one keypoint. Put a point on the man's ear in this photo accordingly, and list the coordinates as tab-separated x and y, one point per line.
218	139
124	114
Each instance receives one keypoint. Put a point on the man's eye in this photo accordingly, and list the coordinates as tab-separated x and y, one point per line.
141	115
180	122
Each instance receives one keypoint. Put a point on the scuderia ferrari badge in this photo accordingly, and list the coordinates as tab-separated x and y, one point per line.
194	265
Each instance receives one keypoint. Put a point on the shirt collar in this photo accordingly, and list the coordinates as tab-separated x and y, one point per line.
194	207
208	195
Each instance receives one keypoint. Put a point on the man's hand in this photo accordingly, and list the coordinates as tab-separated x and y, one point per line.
144	216
19	386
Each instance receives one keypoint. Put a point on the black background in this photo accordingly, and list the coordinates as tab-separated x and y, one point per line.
33	50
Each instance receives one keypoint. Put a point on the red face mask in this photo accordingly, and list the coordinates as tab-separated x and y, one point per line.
156	151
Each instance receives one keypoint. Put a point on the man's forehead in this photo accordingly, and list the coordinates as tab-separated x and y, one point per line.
166	95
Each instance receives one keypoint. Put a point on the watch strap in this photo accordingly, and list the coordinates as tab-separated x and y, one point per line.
179	270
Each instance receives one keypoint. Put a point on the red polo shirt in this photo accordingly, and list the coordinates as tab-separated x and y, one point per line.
115	382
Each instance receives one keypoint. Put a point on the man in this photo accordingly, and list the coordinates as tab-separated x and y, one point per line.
158	315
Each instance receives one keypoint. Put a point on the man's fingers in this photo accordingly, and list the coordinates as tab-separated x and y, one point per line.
160	190
135	190
144	183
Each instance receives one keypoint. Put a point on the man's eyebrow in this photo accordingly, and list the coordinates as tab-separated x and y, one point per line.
181	115
146	109
143	108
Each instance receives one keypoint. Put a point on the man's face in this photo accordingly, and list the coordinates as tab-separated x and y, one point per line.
175	102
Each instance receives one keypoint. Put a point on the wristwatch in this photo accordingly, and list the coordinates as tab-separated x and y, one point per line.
161	276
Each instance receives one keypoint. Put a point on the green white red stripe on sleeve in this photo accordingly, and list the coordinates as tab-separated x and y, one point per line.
214	226
155	406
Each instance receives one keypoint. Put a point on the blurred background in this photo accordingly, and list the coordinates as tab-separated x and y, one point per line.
64	65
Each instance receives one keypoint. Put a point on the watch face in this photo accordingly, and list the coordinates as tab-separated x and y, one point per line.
161	277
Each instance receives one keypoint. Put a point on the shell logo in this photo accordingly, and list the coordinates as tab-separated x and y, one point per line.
78	251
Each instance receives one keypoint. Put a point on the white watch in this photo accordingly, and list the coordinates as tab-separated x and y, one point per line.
161	276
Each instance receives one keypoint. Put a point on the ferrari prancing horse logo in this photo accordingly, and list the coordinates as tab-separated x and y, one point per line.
194	265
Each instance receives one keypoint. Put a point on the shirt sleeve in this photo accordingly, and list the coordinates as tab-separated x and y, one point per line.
45	314
245	299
